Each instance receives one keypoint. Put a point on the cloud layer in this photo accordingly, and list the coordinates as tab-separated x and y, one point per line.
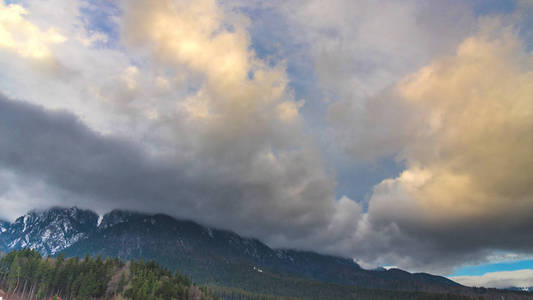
505	279
230	151
462	125
170	106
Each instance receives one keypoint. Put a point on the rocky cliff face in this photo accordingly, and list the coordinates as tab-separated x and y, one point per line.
48	231
4	226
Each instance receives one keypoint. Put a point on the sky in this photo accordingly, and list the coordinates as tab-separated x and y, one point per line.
392	132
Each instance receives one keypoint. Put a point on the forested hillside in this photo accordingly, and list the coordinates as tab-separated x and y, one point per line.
233	267
208	256
25	274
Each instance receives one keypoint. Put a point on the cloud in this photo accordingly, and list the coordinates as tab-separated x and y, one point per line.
24	38
464	133
361	48
179	114
504	279
446	195
203	129
474	134
55	156
204	39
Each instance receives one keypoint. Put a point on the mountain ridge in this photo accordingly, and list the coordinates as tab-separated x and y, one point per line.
49	231
185	237
207	255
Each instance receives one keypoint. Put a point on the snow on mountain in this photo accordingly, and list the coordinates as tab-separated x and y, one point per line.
116	217
4	226
49	231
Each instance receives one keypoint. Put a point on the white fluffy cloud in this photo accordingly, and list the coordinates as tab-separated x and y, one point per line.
465	136
359	48
473	136
504	279
22	37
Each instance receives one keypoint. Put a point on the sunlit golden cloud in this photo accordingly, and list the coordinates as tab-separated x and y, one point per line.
23	37
203	37
470	156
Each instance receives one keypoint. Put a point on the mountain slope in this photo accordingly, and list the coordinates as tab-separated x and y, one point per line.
88	278
49	231
211	256
96	278
4	226
224	258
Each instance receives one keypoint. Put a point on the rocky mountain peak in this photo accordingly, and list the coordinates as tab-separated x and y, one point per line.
49	231
116	216
4	226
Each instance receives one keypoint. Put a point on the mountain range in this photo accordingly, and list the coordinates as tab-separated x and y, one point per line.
208	256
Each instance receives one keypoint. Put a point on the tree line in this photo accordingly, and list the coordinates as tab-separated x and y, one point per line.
30	276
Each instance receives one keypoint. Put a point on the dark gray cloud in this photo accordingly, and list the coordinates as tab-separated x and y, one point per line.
104	172
58	148
186	133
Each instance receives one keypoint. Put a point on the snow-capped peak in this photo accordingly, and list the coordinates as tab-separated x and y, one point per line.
49	231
